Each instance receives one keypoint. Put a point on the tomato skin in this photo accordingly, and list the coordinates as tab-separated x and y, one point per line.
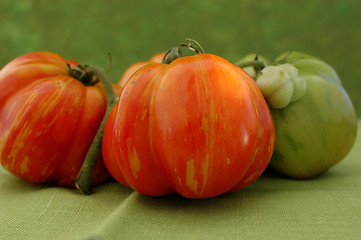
157	58
47	120
265	140
198	126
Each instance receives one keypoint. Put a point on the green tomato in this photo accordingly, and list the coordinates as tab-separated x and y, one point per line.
319	129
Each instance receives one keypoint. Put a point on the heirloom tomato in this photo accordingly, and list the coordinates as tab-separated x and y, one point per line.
48	119
314	117
198	126
157	58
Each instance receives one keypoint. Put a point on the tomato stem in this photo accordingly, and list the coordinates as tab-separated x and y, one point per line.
83	180
79	72
176	52
257	64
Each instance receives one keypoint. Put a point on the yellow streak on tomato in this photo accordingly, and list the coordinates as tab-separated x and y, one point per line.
228	161
255	107
253	176
46	169
208	125
133	158
31	98
254	155
19	143
50	103
144	114
205	82
270	145
47	105
16	122
190	181
205	172
24	167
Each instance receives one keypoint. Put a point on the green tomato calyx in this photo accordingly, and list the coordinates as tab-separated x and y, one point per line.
252	64
281	85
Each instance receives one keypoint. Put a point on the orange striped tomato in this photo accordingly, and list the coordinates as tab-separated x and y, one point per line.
157	58
48	119
198	126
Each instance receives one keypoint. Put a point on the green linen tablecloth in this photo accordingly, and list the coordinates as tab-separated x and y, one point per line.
273	207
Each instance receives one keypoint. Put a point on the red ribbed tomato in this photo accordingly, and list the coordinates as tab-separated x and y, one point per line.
198	126
48	119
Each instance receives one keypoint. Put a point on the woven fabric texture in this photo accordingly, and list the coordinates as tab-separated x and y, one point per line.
273	207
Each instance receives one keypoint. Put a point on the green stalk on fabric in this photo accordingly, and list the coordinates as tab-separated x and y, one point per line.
314	117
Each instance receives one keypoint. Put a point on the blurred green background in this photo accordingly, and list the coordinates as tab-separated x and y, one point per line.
134	30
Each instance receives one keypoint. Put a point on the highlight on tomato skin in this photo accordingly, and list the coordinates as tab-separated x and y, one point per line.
48	120
266	138
198	126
